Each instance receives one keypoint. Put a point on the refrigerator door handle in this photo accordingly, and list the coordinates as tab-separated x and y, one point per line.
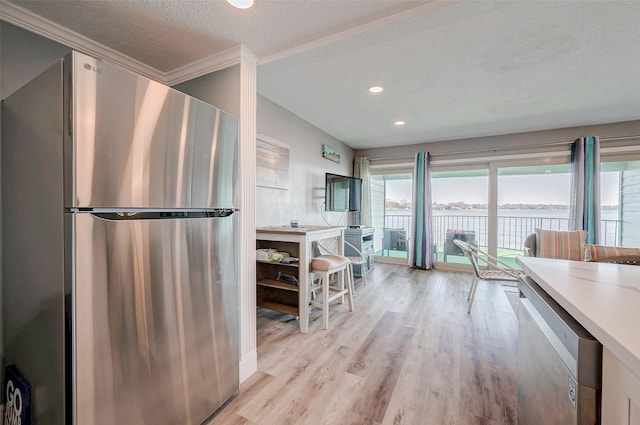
155	215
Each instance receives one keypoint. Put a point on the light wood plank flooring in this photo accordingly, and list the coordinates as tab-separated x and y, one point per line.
408	354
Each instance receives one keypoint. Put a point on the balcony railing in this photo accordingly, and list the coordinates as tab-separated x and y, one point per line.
512	230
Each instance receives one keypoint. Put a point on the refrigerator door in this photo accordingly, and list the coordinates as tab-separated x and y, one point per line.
156	318
131	142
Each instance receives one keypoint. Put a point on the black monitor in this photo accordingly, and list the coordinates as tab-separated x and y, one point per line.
342	193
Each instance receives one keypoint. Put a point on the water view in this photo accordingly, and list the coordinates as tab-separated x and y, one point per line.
514	225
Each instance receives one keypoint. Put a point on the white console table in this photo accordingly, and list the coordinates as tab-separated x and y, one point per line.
281	296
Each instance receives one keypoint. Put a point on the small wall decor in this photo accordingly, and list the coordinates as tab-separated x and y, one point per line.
272	163
330	153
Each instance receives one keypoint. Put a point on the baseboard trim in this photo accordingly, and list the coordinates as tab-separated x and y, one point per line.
248	365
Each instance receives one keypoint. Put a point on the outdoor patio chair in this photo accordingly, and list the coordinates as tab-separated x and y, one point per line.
496	270
394	239
450	248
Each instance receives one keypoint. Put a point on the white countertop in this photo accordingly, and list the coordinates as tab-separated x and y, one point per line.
604	298
296	230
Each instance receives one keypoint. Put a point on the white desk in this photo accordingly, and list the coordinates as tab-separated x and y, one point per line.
304	236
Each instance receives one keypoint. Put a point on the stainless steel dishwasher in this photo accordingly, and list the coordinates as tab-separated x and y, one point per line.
559	363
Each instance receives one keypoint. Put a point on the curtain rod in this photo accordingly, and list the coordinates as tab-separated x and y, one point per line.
607	139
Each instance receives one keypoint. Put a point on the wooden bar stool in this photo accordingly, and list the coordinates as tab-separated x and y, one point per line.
324	266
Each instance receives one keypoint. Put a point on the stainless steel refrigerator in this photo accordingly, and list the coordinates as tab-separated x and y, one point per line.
119	223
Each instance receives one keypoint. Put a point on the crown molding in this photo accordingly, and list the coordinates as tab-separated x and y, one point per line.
222	60
247	55
26	19
23	18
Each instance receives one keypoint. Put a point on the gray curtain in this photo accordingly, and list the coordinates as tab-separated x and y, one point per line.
584	212
421	246
361	170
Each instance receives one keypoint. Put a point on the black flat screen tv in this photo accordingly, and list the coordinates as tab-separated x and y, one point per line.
342	193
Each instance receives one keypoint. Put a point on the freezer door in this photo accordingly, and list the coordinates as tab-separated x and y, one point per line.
135	143
155	319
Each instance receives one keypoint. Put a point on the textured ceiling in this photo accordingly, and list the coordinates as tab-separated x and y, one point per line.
470	69
450	69
170	34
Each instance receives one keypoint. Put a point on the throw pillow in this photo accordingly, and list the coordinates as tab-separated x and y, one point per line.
595	252
566	245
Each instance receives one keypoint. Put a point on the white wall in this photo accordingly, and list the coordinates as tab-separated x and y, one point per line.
303	200
220	89
24	55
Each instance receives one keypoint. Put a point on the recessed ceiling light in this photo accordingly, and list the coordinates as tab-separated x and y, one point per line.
241	4
399	123
376	89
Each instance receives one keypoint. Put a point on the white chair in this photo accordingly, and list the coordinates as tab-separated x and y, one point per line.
330	246
357	260
324	266
496	270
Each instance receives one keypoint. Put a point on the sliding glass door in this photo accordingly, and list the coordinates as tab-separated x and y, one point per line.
496	204
620	203
529	197
391	207
460	211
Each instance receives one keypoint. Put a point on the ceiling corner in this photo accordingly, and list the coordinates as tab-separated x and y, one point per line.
23	18
248	55
222	60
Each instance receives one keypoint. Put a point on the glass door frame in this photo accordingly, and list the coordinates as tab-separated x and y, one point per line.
465	166
380	172
547	160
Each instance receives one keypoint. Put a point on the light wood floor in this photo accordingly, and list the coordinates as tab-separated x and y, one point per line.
408	354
